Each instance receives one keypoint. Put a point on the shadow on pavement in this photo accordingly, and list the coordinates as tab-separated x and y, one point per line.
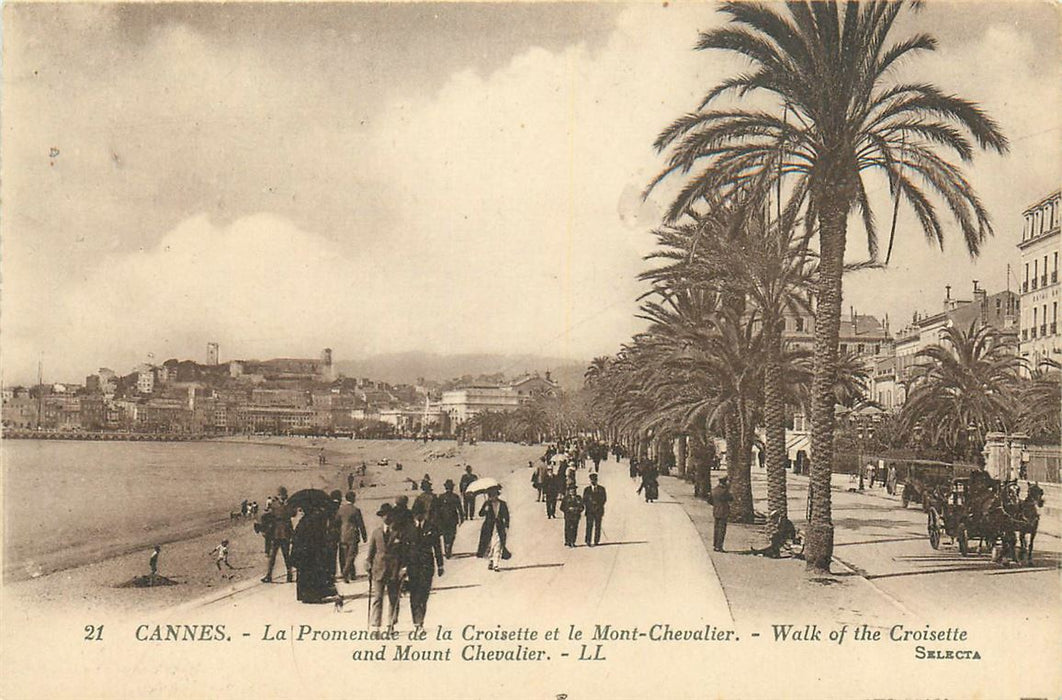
617	544
531	566
881	541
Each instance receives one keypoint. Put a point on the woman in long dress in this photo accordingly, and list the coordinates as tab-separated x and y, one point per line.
312	556
495	528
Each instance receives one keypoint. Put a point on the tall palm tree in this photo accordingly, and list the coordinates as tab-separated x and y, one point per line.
738	250
837	116
963	388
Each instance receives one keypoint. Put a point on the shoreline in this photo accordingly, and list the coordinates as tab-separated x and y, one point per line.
90	575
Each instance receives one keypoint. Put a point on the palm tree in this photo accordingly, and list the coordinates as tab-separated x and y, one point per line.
1040	397
964	388
836	116
734	252
595	370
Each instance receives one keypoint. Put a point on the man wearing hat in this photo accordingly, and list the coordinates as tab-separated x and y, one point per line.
426	499
721	512
279	520
448	514
425	556
386	559
594	498
470	498
351	529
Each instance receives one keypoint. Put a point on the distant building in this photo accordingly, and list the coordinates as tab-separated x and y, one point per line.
213	354
1039	248
891	378
145	379
859	334
531	385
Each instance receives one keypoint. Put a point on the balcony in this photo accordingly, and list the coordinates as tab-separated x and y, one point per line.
1034	281
1025	286
1024	333
1043	281
1043	329
1032	332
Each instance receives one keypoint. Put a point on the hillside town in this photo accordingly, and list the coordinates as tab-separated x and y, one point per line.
281	396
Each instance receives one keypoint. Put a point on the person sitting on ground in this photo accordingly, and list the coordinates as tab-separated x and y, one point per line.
781	533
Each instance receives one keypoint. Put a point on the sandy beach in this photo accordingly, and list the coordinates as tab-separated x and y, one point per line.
99	527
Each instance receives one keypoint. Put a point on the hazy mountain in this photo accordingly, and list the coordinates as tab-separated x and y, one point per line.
406	367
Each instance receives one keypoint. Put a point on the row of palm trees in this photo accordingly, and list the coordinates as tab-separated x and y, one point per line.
816	114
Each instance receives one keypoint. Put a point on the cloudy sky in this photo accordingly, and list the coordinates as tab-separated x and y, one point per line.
377	178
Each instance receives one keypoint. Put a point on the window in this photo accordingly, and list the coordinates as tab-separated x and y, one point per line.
800	323
860	348
844	346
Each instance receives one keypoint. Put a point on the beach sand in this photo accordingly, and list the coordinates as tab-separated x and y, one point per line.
187	512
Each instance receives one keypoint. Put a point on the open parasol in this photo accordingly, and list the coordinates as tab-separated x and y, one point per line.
308	499
482	484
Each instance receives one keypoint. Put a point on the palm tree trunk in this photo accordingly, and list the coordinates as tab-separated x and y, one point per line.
774	423
680	457
832	231
739	466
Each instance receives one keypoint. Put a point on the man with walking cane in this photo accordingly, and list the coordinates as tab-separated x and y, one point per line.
386	564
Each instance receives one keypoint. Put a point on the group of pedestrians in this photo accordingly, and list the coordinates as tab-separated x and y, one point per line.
562	484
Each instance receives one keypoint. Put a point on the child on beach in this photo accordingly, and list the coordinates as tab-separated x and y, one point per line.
154	561
221	555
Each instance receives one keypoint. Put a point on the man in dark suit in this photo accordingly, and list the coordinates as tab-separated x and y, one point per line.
351	530
594	498
425	554
470	498
386	562
281	531
554	489
721	512
449	514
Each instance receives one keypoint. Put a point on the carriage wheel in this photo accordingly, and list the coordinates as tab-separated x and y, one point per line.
934	529
964	544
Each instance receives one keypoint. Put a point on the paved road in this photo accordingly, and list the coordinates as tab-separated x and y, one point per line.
650	568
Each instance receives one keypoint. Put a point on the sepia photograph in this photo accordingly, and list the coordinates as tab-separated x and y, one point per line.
560	350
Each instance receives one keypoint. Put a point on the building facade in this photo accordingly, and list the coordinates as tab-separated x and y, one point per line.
1039	248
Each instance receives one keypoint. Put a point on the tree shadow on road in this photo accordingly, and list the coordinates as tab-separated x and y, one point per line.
881	541
617	544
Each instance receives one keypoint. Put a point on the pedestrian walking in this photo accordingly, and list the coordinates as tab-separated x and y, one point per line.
495	529
313	554
469	498
594	497
386	564
351	531
541	476
426	498
425	559
650	485
350	481
449	513
554	489
721	512
572	507
153	562
280	533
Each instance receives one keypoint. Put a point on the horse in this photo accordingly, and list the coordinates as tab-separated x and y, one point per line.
1028	519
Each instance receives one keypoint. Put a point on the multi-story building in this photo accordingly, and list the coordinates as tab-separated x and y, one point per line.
859	334
1039	248
892	375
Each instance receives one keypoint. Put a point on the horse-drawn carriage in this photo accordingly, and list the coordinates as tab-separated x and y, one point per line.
926	482
978	507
